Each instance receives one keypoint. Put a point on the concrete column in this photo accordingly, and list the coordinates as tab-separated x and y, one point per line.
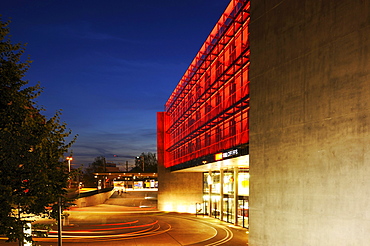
222	194
236	194
210	182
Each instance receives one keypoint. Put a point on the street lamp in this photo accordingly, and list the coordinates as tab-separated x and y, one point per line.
69	158
141	158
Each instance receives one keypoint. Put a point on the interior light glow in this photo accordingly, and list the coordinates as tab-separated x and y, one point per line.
218	156
167	207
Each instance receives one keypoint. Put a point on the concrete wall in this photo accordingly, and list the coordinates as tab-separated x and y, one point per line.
310	123
93	200
179	192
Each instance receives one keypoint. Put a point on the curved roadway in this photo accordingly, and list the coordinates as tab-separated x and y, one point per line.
114	224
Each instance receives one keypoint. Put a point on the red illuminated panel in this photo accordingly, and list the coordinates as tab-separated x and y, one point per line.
208	112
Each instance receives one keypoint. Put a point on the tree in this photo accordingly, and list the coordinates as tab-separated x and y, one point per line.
32	175
148	161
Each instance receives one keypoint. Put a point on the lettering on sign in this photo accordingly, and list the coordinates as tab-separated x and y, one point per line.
220	156
230	153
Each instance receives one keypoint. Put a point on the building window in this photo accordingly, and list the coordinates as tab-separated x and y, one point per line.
232	51
197	143
191	122
232	91
207	80
197	115
218	99
190	147
219	68
207	139
208	107
198	91
218	134
232	127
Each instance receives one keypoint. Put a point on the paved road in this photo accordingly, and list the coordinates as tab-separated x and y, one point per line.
121	223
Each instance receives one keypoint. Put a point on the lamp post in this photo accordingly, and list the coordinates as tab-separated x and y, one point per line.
69	159
141	159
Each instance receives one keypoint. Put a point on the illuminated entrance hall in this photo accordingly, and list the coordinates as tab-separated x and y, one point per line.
221	190
203	135
225	190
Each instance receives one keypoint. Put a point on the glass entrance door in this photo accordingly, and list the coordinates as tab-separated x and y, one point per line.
243	211
228	209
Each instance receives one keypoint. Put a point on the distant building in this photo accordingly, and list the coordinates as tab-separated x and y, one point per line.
203	135
111	167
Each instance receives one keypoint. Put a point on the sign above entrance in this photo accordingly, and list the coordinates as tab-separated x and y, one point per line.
218	156
224	155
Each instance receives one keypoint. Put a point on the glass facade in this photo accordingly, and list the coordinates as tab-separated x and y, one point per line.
208	112
226	195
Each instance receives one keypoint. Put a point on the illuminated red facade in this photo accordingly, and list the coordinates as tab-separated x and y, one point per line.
208	111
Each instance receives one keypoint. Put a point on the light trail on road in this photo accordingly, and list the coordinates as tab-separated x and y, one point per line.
228	233
152	229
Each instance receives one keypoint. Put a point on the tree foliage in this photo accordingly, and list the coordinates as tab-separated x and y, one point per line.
32	175
146	162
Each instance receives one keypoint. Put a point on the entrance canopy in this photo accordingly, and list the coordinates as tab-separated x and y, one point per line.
240	161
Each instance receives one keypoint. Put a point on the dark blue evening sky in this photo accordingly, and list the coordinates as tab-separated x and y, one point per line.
110	65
